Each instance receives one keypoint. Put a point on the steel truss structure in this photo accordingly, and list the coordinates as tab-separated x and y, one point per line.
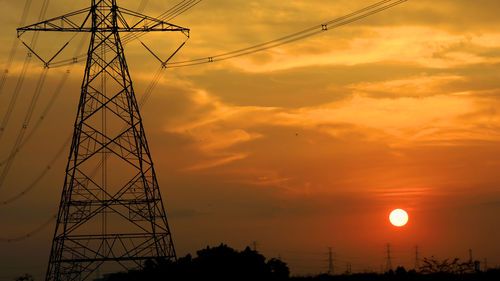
111	212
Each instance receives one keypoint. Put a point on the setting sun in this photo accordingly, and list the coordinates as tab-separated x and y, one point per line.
398	217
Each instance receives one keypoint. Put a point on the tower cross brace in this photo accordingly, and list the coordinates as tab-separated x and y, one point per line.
111	215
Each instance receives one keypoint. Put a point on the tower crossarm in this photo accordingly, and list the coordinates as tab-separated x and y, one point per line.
71	22
146	23
81	21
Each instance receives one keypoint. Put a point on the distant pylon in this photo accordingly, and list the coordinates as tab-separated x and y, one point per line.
111	214
470	256
330	261
254	246
348	268
417	265
389	262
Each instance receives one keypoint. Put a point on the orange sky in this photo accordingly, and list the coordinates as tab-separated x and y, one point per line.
302	147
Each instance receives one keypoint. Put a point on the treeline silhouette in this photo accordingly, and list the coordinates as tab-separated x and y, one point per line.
432	269
400	274
217	263
224	263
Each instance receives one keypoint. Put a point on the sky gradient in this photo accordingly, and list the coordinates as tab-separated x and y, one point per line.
302	147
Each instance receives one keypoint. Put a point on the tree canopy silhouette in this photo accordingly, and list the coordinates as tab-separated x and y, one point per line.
217	263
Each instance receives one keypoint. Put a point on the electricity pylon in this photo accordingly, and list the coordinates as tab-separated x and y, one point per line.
111	214
389	261
330	261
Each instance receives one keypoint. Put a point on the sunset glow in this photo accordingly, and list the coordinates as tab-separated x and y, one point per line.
383	130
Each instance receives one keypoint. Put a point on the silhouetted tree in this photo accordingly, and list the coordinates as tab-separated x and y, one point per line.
400	270
25	277
218	263
279	269
434	266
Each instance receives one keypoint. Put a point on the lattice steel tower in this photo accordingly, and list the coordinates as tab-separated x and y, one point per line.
111	213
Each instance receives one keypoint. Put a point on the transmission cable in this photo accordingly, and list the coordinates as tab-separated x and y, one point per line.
20	140
344	20
332	24
311	31
142	5
167	16
14	47
20	80
31	233
41	176
22	131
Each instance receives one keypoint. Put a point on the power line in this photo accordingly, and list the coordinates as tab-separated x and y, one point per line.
341	21
332	24
142	5
20	81
14	47
37	180
311	31
45	111
168	15
31	233
49	105
20	140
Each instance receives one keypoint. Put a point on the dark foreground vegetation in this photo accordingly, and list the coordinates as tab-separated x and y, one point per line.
223	263
218	263
490	275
